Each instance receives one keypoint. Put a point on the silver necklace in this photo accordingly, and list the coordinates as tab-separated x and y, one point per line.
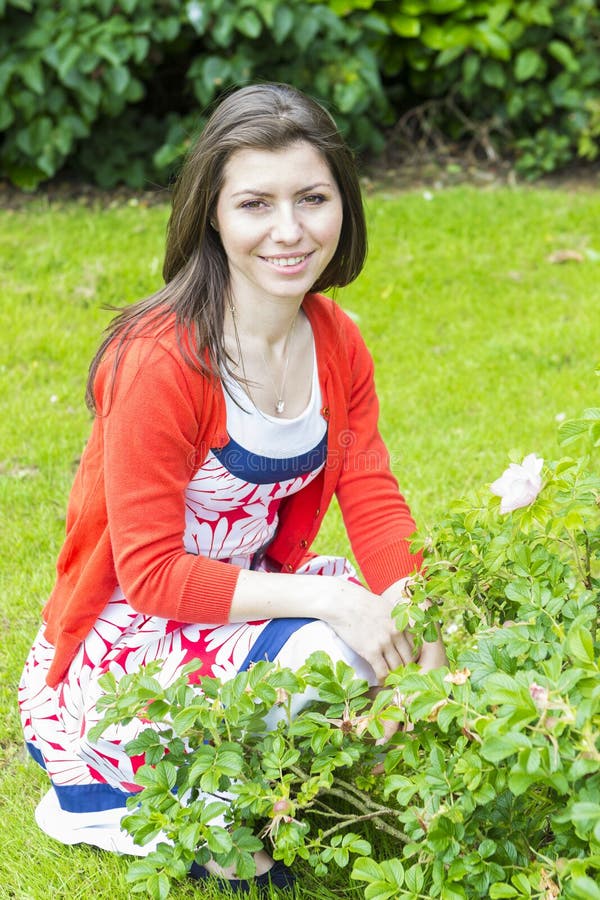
279	401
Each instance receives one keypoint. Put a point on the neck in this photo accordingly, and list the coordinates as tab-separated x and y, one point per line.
269	329
264	356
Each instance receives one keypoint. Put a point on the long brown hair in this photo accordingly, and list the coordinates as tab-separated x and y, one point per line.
196	273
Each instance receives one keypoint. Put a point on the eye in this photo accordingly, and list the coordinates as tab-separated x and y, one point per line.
314	199
253	204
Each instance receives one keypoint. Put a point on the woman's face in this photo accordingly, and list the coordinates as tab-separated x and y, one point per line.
279	216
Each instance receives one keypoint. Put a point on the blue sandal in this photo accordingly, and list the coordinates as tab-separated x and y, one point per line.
278	876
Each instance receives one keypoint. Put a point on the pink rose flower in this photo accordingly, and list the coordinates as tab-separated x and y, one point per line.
539	695
519	485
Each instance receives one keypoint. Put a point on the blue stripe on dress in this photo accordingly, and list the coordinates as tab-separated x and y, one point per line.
256	469
36	754
271	640
79	798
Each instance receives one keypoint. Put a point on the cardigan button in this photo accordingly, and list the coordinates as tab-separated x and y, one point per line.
289	567
303	544
325	412
317	512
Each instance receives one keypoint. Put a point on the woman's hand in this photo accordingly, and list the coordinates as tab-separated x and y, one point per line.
433	653
364	621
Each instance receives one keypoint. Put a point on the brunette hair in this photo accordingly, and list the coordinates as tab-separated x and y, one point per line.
258	117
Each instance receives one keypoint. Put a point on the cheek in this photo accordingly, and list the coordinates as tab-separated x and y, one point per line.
334	227
337	219
236	236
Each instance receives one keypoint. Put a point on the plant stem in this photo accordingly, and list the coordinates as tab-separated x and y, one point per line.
374	814
374	817
368	807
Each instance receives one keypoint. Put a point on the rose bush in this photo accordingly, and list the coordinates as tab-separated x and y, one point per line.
493	789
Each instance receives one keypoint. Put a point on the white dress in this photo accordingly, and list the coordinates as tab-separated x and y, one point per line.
231	514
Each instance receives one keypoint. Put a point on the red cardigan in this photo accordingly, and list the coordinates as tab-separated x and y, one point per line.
157	419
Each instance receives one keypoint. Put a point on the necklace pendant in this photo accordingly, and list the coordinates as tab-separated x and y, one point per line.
279	407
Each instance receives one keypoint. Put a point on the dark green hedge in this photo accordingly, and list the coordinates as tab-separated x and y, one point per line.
113	89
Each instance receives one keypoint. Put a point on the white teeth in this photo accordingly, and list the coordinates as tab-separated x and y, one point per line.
288	261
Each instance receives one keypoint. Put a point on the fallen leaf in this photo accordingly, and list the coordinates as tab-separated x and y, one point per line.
563	256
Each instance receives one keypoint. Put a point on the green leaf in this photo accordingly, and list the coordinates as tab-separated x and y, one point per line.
32	74
502	688
229	759
158	886
498	747
572	430
249	24
470	67
68	60
393	872
527	64
166	775
414	879
117	79
563	53
403	787
487	848
585	815
218	840
498	891
493	73
366	869
584	888
580	645
441	7
140	868
521	882
452	892
168	27
7	115
305	32
283	22
185	719
519	781
405	26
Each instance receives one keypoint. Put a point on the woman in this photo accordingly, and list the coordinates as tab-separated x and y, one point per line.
229	408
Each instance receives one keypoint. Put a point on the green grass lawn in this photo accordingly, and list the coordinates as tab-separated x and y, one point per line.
481	343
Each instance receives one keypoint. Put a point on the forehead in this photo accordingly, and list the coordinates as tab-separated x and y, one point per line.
257	169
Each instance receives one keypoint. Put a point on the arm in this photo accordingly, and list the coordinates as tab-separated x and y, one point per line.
151	418
376	515
362	620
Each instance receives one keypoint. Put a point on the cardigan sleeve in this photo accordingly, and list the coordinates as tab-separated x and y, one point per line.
151	413
377	518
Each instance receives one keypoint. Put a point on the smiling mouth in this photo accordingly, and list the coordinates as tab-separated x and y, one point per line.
284	262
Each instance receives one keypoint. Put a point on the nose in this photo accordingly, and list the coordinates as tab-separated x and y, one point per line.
286	227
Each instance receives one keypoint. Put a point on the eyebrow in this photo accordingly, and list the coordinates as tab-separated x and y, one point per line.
305	190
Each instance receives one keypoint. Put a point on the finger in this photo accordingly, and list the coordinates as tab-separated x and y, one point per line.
389	730
379	666
393	658
404	649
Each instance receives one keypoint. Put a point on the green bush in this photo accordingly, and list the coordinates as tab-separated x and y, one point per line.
524	75
115	89
490	789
